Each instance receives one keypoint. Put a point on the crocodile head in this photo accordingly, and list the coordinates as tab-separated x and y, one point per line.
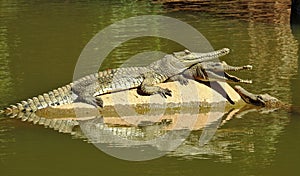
188	58
223	66
177	62
263	100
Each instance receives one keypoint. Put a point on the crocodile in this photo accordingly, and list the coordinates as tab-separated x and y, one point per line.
143	78
214	71
261	100
89	88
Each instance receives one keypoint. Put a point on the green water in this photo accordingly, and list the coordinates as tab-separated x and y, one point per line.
40	42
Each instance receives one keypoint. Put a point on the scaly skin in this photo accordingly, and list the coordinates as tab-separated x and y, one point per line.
261	100
211	71
73	126
144	78
89	88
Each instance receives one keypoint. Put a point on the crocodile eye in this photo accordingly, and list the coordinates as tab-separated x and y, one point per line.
187	51
261	100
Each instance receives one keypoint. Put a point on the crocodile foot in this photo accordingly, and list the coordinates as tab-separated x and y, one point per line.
165	92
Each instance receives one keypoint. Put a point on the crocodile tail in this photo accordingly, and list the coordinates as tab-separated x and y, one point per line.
61	125
59	96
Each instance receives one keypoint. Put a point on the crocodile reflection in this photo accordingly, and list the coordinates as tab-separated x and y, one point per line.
210	135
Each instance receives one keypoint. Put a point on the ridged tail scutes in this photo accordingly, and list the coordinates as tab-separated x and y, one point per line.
60	96
60	125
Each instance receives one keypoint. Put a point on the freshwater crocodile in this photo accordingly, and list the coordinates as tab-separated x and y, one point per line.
214	71
262	100
144	78
89	88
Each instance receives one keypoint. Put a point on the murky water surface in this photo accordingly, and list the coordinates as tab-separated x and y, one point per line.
40	42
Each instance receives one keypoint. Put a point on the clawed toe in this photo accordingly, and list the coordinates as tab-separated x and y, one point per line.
165	92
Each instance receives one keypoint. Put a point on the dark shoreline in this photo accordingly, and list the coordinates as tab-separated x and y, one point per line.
269	11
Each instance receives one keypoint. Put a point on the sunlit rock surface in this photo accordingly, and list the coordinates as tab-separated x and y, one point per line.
191	98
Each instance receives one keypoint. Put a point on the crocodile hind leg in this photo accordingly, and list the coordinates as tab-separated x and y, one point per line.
84	90
148	88
89	99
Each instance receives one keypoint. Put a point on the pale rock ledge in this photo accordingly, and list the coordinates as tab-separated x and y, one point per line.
195	95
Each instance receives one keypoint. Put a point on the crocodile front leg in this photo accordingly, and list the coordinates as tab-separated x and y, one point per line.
148	88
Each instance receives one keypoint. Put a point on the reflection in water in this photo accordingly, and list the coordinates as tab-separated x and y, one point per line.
5	76
273	52
239	135
55	32
250	10
6	139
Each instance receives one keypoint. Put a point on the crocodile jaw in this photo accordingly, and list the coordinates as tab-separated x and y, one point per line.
248	97
194	58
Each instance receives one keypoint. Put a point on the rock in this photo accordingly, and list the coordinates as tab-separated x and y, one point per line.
192	97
